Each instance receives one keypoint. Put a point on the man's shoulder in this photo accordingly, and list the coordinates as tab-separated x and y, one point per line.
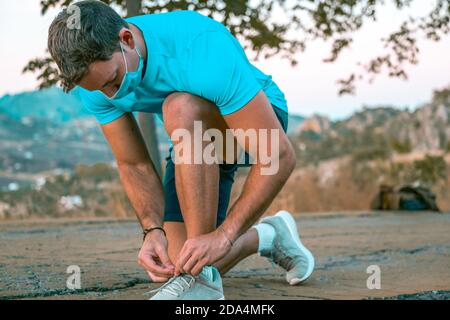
177	22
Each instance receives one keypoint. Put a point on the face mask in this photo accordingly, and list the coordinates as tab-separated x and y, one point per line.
131	79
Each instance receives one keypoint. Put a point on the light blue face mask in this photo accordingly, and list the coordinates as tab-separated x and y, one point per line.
131	79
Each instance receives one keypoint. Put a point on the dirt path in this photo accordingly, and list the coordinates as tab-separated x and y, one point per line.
412	251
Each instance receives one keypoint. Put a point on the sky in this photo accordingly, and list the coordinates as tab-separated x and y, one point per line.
310	87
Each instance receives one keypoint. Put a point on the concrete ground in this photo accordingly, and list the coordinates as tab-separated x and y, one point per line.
412	251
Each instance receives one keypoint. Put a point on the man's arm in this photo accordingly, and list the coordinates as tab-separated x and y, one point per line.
259	190
137	173
144	189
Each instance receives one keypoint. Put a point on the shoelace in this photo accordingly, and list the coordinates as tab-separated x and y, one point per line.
175	285
281	258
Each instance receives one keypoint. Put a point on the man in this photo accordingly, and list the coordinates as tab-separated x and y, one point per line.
188	69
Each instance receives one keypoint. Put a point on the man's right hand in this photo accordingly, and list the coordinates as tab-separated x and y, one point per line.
154	258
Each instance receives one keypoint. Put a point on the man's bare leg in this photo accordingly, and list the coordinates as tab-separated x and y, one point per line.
198	184
197	190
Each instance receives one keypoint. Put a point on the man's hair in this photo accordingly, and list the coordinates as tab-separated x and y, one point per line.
74	45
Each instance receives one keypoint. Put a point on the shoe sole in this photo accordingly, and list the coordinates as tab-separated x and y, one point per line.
289	221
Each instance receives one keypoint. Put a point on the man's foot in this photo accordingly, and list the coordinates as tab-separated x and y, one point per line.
206	286
286	249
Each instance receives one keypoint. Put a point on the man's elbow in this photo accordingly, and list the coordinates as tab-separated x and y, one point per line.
287	159
282	162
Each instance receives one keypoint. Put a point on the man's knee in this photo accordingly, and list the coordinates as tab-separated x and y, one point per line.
180	110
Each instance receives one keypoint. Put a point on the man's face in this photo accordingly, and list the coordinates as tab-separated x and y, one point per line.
107	76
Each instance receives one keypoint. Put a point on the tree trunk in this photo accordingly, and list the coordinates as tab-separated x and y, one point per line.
146	120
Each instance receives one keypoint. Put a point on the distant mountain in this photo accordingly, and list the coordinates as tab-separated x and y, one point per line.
34	118
367	119
46	130
378	130
56	106
49	129
427	128
52	104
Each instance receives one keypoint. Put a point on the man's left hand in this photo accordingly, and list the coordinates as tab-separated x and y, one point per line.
201	251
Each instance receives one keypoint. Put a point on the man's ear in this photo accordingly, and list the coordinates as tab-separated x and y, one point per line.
126	37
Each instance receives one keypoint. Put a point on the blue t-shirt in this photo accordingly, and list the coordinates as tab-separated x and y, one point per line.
192	53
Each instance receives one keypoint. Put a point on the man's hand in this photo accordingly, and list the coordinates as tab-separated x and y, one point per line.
201	251
154	258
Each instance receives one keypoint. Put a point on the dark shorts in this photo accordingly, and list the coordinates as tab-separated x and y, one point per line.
172	210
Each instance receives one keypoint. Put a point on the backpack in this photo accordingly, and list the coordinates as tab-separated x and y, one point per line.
407	198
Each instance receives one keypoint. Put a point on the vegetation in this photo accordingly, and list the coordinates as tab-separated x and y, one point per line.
401	146
302	22
430	170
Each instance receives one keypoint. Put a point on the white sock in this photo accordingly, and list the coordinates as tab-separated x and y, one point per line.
266	234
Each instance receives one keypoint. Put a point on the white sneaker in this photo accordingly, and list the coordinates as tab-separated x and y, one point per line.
287	250
206	286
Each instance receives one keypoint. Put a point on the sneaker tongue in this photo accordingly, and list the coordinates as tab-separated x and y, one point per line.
207	273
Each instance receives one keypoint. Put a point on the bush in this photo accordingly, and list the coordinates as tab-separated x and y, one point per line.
431	169
401	146
96	173
370	154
